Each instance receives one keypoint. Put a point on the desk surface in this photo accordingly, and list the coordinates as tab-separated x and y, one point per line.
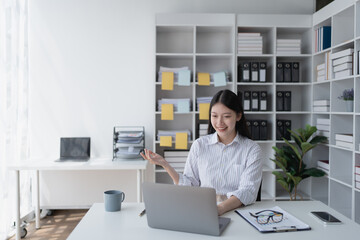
126	224
92	164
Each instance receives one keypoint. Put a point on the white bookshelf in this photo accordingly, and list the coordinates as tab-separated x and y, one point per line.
338	188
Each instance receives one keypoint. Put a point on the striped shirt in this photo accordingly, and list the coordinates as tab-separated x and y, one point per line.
232	170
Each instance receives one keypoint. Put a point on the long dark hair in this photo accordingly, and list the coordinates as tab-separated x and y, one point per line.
231	101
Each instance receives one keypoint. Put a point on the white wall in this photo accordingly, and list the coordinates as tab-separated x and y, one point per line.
92	68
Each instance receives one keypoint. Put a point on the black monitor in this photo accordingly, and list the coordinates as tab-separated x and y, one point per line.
75	148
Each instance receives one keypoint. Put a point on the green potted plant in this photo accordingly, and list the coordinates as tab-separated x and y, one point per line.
348	97
290	159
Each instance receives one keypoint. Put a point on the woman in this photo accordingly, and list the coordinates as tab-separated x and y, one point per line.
226	159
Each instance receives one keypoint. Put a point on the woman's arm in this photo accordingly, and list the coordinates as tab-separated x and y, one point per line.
228	205
156	159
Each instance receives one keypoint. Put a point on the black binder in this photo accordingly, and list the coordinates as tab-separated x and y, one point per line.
279	72
287	72
287	100
245	72
247	101
279	129
240	96
255	129
279	101
262	72
255	101
263	101
287	125
295	72
255	72
263	130
248	125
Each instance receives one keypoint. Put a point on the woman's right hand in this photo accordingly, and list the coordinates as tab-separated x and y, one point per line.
153	158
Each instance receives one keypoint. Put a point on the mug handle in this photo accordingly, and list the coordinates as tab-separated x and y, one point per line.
123	196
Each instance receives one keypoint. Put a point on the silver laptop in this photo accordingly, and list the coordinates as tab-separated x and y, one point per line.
183	208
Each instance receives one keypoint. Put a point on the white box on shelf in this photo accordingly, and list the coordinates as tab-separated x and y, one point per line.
341	60
342	53
357	169
177	164
321	78
323	164
344	144
323	127
175	159
323	121
176	153
357	177
321	72
343	66
323	133
344	137
343	73
320	67
321	102
321	109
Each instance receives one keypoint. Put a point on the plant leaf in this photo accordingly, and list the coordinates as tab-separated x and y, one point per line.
314	172
294	149
284	185
305	147
309	131
318	139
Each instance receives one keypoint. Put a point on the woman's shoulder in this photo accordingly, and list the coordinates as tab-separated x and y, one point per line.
250	144
204	139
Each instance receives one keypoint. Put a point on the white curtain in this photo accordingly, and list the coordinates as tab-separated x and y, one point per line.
14	91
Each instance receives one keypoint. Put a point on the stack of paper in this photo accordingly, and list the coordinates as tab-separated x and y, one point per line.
172	133
181	105
323	127
344	140
202	100
357	177
217	77
182	75
250	43
203	129
288	46
324	165
176	159
128	143
342	63
321	106
323	70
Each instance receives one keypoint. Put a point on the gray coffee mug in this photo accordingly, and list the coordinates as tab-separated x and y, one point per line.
113	200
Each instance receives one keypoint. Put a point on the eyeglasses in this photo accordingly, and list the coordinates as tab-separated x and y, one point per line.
266	216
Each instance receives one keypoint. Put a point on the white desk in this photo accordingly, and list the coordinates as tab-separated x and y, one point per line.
126	224
92	164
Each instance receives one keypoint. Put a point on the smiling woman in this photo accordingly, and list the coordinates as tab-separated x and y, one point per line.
226	159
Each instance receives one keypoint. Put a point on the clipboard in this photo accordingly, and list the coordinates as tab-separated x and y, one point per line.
289	222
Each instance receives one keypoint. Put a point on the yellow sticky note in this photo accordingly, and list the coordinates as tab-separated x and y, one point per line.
167	112
181	141
165	141
204	111
204	79
167	81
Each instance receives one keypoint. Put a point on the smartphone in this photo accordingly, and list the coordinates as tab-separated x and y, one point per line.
326	218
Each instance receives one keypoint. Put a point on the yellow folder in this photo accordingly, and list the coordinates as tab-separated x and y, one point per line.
204	111
167	81
167	112
181	141
204	79
165	141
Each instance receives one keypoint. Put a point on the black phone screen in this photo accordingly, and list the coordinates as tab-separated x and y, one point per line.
326	217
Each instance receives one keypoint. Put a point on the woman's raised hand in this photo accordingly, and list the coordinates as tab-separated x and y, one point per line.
153	158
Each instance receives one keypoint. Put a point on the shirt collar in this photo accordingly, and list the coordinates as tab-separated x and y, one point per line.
214	139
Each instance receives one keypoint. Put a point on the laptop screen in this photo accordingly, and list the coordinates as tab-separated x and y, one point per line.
74	147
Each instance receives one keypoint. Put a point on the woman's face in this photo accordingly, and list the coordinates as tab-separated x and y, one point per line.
223	120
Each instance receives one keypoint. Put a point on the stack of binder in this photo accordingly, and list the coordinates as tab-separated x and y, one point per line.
252	72
288	72
254	100
323	70
172	133
128	142
282	127
180	104
322	38
324	165
202	100
344	140
203	129
288	46
174	70
250	43
258	129
342	63
283	101
176	159
357	177
323	127
321	105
